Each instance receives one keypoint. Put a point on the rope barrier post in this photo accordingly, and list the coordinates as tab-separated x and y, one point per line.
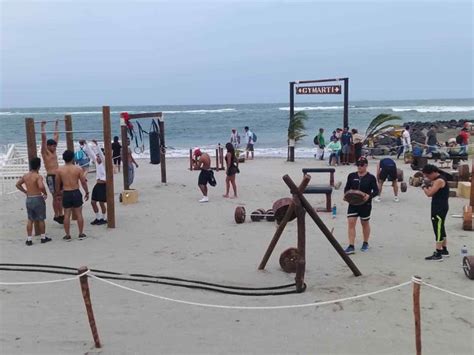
69	134
32	152
123	130
109	167
281	226
301	261
161	125
87	301
416	310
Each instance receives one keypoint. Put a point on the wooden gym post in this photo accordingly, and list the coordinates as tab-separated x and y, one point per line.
301	261
161	125
416	312
123	131
87	302
69	133
109	166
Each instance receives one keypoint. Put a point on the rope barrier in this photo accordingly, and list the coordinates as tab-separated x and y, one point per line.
43	282
447	291
207	305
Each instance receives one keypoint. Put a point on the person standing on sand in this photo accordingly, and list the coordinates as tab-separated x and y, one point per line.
69	176
84	156
117	153
99	192
35	201
406	140
50	158
234	138
431	141
464	140
320	144
202	161
438	190
249	141
346	142
232	170
387	168
357	138
363	181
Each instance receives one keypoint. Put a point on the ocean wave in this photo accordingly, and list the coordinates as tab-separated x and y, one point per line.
220	110
201	111
436	109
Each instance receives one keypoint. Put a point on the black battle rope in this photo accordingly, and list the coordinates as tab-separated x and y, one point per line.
158	282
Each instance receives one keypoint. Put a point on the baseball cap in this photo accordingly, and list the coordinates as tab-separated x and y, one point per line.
197	152
362	161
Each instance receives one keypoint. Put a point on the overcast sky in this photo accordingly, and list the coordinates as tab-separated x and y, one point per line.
75	53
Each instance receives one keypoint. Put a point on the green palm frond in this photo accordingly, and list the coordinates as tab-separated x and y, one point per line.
296	127
378	124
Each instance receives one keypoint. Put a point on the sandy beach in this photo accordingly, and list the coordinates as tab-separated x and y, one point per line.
169	233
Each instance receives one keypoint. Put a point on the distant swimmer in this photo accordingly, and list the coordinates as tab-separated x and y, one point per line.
202	161
438	190
363	181
50	158
387	168
69	176
35	201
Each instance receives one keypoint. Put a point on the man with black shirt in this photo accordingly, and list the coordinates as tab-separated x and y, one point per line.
438	190
363	181
387	168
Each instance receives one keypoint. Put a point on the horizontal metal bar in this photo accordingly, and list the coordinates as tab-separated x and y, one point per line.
317	81
145	115
59	120
70	132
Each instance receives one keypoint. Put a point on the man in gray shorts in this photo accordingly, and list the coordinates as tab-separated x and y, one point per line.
35	205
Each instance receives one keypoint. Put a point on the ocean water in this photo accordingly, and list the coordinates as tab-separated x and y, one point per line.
205	126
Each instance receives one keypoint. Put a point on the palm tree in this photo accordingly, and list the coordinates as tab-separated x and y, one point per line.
296	129
378	125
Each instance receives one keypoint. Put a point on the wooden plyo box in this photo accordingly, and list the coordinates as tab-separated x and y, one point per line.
128	197
464	189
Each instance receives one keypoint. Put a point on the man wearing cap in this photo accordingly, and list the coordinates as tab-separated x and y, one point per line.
50	158
363	181
202	161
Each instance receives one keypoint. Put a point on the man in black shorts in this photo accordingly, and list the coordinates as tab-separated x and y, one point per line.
387	168
202	161
438	190
99	192
363	181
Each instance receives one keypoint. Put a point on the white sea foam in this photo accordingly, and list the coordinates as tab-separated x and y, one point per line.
221	110
312	108
424	109
202	111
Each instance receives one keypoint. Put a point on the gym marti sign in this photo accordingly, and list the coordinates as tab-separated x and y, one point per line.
322	90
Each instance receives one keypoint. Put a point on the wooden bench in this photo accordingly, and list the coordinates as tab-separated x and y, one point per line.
321	188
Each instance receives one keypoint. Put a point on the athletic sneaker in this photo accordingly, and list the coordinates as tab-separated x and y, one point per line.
435	257
365	247
59	219
95	222
101	221
67	238
349	250
45	240
396	199
204	199
445	253
82	236
377	199
29	243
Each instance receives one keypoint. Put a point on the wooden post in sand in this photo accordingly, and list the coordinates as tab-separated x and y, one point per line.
69	133
123	129
161	125
416	311
109	167
87	301
301	261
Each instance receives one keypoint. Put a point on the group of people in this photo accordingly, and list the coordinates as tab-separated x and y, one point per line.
249	138
64	184
341	143
371	188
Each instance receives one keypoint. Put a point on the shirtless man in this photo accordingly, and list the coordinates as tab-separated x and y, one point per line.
203	161
69	176
35	195
99	192
50	158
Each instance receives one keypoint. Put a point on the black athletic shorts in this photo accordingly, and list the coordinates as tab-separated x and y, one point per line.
117	160
72	199
388	171
99	193
362	211
205	177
